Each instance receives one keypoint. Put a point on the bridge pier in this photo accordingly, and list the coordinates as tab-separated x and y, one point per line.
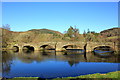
59	49
36	48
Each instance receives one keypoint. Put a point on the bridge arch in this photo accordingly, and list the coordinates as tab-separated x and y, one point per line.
47	46
104	48
103	51
70	46
28	47
60	46
15	48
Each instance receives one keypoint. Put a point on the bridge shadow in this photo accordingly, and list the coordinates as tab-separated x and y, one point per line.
28	51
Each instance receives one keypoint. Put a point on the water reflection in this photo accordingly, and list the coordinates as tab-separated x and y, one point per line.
0	63
103	51
103	54
85	52
67	55
27	51
6	61
47	58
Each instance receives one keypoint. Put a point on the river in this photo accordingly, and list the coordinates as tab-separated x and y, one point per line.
51	64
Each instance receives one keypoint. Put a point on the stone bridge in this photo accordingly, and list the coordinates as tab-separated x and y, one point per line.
59	46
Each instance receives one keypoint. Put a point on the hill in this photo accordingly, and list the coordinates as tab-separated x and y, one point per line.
112	34
41	35
46	31
31	36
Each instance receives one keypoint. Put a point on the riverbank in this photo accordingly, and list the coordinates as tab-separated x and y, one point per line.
113	75
107	76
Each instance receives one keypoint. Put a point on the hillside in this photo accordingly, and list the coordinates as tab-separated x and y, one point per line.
40	35
46	31
112	34
31	36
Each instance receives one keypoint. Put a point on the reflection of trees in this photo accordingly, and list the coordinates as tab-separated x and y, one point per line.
6	61
71	63
76	55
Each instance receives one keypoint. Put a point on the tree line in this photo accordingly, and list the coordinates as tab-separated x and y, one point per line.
74	34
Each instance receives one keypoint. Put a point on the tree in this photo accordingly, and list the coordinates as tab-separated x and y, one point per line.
6	35
70	32
73	33
84	33
76	32
7	26
88	31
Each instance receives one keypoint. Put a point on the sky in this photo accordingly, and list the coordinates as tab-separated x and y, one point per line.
60	0
59	16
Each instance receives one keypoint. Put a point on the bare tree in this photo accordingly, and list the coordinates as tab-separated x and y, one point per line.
5	35
7	26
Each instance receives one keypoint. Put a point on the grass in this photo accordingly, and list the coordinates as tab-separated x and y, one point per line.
114	37
97	76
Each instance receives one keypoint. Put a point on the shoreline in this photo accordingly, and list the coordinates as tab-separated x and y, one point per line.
109	75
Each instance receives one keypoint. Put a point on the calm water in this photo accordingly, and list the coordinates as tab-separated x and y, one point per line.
52	64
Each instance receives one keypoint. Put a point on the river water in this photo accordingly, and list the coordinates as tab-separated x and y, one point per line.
51	64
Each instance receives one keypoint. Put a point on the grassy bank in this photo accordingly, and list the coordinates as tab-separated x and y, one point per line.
107	76
97	75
